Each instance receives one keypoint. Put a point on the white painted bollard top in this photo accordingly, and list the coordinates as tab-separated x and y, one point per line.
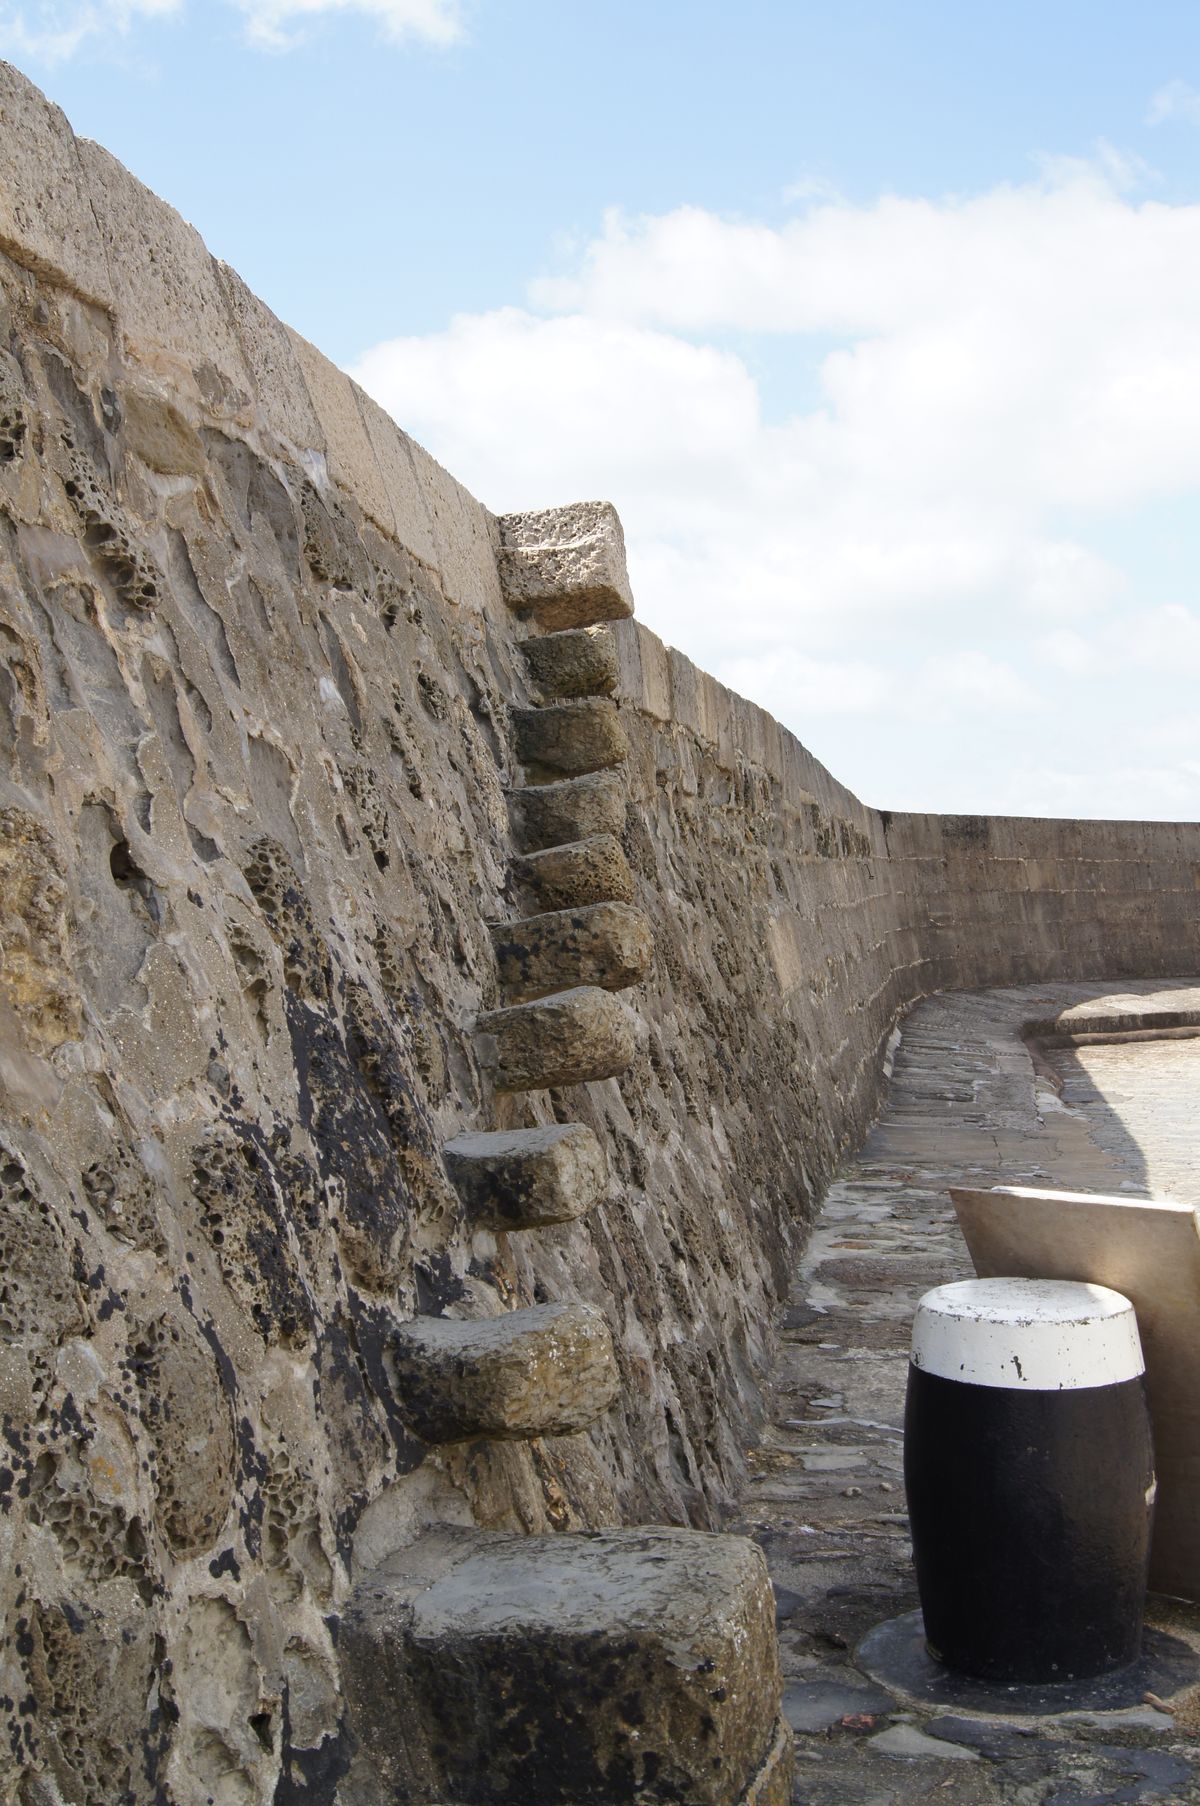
1036	1335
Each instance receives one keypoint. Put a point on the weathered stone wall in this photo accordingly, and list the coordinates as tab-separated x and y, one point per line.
257	683
1008	899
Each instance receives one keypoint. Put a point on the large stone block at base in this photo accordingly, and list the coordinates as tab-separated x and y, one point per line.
568	1039
546	1371
527	1178
616	1668
565	567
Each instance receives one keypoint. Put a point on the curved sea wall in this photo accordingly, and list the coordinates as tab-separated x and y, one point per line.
269	852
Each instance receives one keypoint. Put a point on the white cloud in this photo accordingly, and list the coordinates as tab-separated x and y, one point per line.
786	682
1166	639
1175	100
993	379
53	32
279	24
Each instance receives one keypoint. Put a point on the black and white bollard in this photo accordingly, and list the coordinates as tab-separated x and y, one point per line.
1029	1470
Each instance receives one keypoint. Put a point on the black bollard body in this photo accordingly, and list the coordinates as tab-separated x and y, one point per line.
1029	1470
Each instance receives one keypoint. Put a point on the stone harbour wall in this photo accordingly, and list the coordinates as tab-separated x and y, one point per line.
310	879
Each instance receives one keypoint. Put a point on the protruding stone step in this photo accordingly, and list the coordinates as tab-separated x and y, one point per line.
584	871
546	1371
605	944
568	738
546	815
565	567
580	662
527	1178
596	1669
568	1039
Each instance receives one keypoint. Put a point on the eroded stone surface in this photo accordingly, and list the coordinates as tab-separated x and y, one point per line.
567	1039
569	737
525	1178
546	815
565	567
580	873
544	1371
606	944
579	662
508	1647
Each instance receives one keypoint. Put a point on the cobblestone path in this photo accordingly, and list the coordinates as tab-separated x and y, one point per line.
826	1501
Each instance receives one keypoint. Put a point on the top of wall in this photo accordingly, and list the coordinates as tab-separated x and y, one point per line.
69	211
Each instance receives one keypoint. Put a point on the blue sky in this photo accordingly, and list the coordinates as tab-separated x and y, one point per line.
880	324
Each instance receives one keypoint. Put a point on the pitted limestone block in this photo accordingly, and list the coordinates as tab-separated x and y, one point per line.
155	431
279	894
170	305
582	872
568	1039
186	1414
570	737
14	416
597	1669
565	567
546	815
605	944
580	662
37	965
350	455
276	378
41	1301
95	1664
113	537
546	1371
525	1178
46	216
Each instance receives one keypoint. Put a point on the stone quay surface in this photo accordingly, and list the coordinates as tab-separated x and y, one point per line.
969	1102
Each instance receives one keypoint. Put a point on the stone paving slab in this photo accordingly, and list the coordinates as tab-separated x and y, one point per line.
969	1103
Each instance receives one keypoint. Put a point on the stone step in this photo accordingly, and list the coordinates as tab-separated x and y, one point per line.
546	815
546	1371
580	662
582	872
568	1039
615	1666
527	1178
606	944
565	567
565	739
